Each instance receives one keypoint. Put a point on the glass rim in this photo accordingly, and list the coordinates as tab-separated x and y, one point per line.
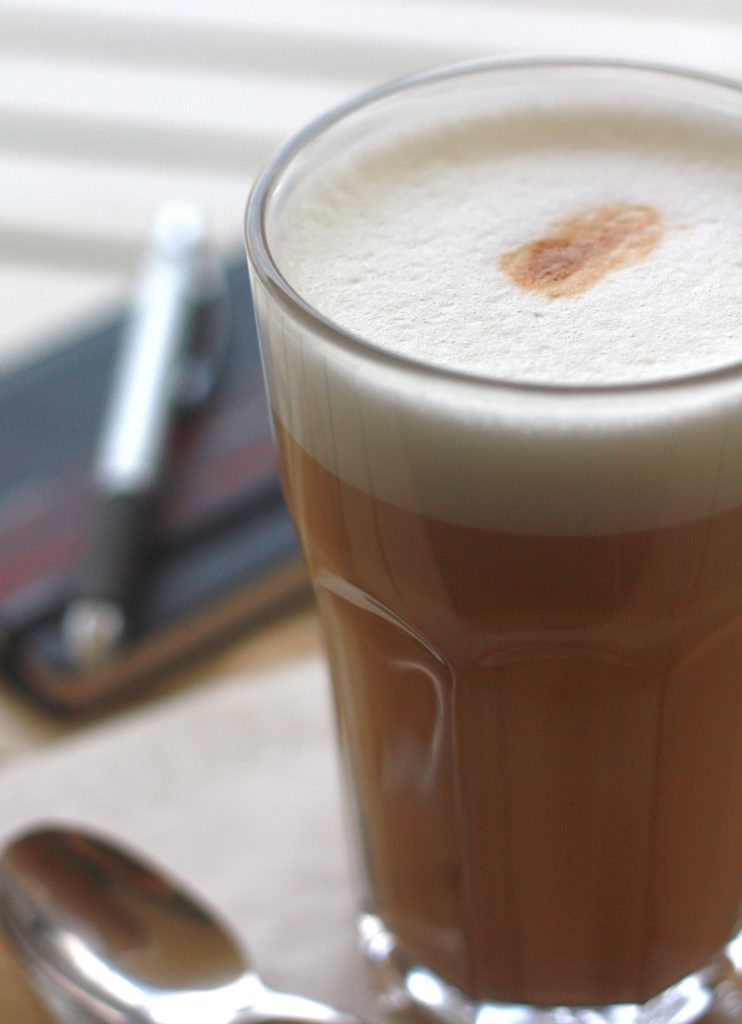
270	275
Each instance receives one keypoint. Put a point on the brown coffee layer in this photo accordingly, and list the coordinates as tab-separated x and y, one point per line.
542	734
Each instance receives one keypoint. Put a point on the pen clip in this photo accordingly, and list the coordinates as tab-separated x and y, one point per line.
209	340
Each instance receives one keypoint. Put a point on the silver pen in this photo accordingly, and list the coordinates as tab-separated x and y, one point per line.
131	450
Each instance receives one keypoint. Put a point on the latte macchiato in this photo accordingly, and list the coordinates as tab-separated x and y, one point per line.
514	458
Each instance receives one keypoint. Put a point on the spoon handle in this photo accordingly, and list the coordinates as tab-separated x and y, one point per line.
278	1007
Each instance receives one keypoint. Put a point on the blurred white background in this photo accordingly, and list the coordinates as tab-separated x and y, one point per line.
109	107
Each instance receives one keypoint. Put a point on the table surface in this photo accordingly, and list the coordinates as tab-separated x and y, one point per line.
110	107
23	731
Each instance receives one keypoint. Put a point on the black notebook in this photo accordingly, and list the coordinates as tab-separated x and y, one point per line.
222	549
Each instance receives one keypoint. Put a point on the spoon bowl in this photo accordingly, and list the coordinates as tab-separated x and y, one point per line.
107	937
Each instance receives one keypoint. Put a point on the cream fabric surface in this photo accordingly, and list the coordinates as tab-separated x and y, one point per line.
235	790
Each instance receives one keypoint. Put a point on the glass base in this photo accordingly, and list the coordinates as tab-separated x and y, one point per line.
712	995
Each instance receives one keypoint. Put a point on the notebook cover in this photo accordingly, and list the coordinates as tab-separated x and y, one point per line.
222	550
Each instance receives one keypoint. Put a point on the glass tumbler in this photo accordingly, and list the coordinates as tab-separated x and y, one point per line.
532	602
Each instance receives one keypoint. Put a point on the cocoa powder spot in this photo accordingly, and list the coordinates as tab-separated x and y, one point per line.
581	250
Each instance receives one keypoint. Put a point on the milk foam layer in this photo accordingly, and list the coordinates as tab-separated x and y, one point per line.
402	243
400	240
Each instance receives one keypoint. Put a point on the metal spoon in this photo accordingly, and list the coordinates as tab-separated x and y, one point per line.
107	938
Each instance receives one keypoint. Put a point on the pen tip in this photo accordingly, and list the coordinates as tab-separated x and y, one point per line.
92	630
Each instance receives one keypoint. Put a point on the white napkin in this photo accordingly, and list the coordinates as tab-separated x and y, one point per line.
235	789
